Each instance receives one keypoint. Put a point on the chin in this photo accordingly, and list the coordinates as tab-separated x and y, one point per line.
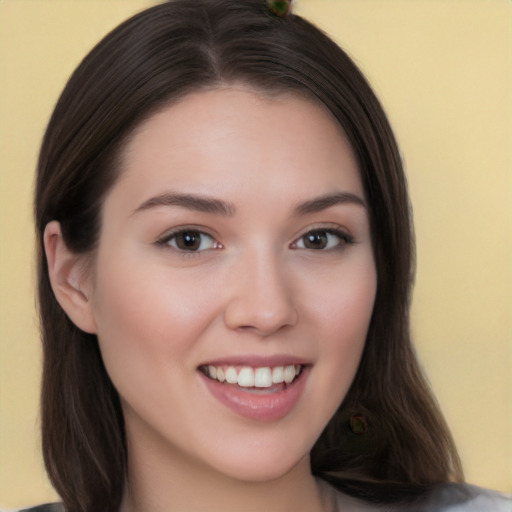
265	463
259	473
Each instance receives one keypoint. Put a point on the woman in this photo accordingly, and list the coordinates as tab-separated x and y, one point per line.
225	269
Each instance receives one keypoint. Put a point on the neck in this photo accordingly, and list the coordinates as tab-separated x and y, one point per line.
161	484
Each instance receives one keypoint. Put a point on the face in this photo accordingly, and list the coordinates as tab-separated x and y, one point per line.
234	281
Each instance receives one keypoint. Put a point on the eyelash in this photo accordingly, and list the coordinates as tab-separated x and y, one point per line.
165	241
344	239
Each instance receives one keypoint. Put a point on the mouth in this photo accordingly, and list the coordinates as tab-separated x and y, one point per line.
260	379
263	392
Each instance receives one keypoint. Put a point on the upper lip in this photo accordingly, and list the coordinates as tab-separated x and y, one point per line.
257	361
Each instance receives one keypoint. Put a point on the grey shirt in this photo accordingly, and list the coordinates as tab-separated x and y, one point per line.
448	498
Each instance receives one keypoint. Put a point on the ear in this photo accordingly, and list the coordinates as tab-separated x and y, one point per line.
70	284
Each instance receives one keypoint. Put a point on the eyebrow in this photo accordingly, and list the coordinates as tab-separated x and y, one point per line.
216	206
326	201
191	202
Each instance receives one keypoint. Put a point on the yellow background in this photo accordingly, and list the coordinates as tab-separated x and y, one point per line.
443	70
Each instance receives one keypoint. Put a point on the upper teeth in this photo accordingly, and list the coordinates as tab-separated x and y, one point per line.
248	377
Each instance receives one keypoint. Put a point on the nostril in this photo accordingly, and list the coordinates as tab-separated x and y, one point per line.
242	317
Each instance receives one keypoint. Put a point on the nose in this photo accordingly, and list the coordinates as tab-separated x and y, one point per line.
261	297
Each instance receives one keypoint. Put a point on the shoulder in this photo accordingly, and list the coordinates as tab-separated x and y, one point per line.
476	500
445	498
50	507
467	498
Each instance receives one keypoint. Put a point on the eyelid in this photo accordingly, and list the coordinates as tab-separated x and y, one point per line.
346	238
163	240
333	229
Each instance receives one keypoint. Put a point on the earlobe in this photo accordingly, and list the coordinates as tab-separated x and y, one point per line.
68	279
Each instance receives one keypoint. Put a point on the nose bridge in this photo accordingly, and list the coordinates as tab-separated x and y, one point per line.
262	296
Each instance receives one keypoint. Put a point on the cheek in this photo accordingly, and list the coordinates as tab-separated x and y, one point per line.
148	320
342	302
342	315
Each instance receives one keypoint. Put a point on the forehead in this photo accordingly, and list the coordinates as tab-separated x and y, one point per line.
228	139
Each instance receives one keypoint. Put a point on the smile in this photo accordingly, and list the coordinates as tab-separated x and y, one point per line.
265	377
264	393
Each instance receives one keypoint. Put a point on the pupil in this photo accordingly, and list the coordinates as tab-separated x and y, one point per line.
316	240
189	240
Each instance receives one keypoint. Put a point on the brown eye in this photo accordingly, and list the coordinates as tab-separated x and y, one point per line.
315	240
323	239
191	241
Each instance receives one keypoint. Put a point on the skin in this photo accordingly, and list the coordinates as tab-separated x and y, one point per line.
254	287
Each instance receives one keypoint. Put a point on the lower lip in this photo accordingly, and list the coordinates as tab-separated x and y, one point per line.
261	406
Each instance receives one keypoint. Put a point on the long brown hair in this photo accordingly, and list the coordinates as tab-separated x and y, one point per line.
144	64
